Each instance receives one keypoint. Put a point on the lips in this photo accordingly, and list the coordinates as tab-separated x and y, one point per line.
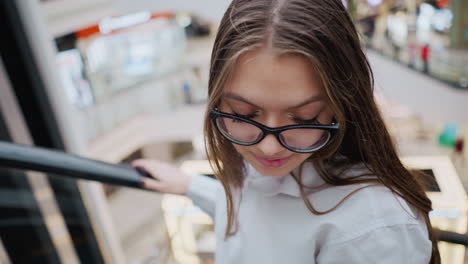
272	162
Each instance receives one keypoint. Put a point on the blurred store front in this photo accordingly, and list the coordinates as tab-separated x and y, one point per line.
92	80
428	36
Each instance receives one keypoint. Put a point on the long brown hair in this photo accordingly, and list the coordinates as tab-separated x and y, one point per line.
323	32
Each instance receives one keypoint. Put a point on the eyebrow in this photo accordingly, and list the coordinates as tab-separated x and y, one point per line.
237	97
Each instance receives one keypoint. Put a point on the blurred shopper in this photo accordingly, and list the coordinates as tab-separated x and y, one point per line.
459	156
397	31
425	57
412	54
307	170
368	26
412	51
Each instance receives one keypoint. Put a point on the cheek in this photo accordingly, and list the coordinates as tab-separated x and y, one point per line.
299	158
242	150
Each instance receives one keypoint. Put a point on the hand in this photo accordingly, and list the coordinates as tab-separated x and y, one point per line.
167	178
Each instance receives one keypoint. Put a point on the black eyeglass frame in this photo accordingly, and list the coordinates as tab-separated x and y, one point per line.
332	129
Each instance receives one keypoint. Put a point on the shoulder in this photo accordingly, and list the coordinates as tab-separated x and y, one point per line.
373	224
364	205
366	208
399	243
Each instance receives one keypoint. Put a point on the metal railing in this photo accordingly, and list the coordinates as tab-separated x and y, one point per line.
49	161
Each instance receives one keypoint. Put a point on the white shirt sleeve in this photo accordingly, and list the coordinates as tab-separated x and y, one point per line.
402	243
202	191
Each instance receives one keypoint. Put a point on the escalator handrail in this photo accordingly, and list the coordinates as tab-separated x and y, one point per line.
452	237
65	164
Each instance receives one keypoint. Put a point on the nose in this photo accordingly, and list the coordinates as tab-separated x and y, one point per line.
270	146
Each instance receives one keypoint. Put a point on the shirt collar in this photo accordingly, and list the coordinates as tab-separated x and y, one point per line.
274	185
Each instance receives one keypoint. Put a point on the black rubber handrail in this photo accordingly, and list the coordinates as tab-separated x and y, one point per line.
64	164
452	237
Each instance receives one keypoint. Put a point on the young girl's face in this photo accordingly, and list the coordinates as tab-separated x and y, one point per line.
274	91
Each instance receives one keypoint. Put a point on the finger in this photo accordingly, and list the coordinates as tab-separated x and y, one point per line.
145	168
140	163
143	172
148	173
152	185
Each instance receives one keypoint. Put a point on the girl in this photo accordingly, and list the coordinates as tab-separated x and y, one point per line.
308	171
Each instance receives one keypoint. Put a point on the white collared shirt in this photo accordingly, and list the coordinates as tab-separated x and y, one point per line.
372	226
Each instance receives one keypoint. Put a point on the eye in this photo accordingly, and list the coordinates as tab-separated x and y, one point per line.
236	120
248	116
312	121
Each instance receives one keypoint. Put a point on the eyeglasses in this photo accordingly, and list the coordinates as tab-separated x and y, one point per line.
305	138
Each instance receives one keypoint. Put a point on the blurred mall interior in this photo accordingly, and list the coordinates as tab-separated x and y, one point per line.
117	80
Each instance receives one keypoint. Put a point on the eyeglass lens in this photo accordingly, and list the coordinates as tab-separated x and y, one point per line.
297	138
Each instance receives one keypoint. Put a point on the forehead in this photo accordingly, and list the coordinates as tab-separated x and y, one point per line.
273	81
